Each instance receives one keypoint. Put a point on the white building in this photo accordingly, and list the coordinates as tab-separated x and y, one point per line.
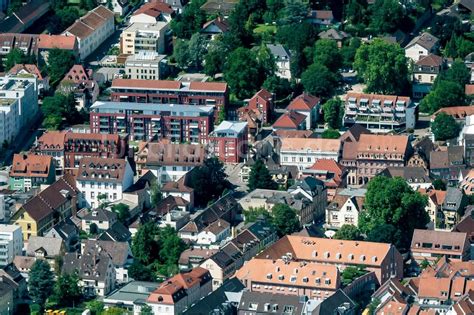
120	7
345	208
11	243
304	152
214	233
92	30
145	65
145	37
18	105
421	45
282	59
104	177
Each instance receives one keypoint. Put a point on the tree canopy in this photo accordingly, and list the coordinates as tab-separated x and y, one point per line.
333	112
392	203
285	219
60	109
66	290
444	127
348	232
383	66
241	71
330	134
190	21
260	177
444	94
59	62
319	80
41	282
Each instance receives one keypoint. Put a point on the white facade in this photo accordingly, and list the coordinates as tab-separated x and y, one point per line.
347	214
208	238
146	65
305	158
91	188
118	8
11	243
415	52
170	173
144	37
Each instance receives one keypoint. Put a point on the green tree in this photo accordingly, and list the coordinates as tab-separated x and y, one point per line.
330	134
14	57
319	80
59	109
285	219
96	307
146	310
444	94
197	50
145	243
383	66
115	311
123	212
351	273
385	233
66	289
171	248
252	214
327	53
215	58
63	18
140	272
457	73
181	53
59	62
386	16
392	201
438	184
266	62
424	264
444	127
41	282
260	177
348	232
333	112
190	21
241	71
348	52
279	86
294	12
155	194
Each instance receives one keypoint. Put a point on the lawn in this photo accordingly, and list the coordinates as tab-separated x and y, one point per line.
262	28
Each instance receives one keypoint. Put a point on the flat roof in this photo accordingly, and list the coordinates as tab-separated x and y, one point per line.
101	106
146	27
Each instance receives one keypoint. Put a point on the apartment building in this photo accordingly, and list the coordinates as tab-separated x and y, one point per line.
314	280
169	161
380	113
139	37
425	72
147	65
52	205
304	152
262	102
177	293
18	105
92	29
430	245
229	141
307	105
29	171
383	259
177	123
32	70
11	243
107	177
371	154
171	92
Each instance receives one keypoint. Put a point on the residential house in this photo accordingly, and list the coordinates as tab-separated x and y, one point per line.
320	17
131	296
80	82
383	259
95	270
459	113
147	65
380	113
290	121
282	57
304	152
100	177
425	72
180	189
283	175
172	211
193	257
31	69
262	102
466	225
430	245
152	12
30	171
172	92
116	233
315	190
119	7
27	43
145	37
102	219
336	35
48	248
52	205
214	234
218	7
177	293
221	266
353	133
307	105
177	123
420	46
314	280
345	208
447	164
92	29
11	243
169	161
46	42
215	27
339	302
229	141
371	154
453	207
7	302
330	172
433	208
68	232
421	153
416	177
254	119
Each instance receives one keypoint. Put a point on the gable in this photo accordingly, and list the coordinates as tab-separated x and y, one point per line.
349	202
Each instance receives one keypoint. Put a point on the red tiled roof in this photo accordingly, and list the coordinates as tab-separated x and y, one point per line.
30	68
52	140
147	84
46	41
290	120
458	112
431	61
304	102
30	165
208	86
154	8
469	89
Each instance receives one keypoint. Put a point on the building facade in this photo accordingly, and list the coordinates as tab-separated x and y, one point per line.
11	243
140	37
304	152
147	65
229	141
29	171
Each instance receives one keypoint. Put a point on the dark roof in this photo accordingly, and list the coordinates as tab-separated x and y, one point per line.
357	130
261	229
308	184
216	299
451	156
410	174
259	300
92	264
66	228
468	4
331	304
117	233
30	10
222	259
425	40
453	196
100	215
466	225
118	251
143	182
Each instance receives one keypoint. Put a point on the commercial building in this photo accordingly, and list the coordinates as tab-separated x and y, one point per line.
29	171
178	123
138	37
147	65
380	113
304	152
18	105
229	141
171	92
92	30
11	243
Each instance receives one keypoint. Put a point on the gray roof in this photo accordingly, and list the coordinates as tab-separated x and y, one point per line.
309	184
150	108
117	233
231	128
261	229
100	215
119	251
281	301
333	34
131	292
331	304
410	174
356	192
280	52
425	40
454	199
51	245
92	264
65	229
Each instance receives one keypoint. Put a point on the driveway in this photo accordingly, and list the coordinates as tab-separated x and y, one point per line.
233	173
